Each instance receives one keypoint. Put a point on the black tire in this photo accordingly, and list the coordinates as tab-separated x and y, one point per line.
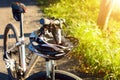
10	38
59	75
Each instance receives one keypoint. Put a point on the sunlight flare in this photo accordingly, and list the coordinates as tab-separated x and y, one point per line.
116	6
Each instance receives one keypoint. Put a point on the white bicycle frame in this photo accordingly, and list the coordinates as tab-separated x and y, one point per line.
22	55
49	63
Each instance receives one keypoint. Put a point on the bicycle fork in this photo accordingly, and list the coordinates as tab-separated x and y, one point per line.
50	67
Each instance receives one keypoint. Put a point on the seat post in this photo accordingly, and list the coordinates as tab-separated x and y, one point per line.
23	62
21	25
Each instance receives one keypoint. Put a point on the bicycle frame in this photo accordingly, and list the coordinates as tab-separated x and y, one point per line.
22	52
22	45
49	63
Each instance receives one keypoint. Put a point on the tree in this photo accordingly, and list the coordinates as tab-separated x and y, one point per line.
104	14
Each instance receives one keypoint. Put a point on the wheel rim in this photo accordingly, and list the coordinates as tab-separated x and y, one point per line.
11	38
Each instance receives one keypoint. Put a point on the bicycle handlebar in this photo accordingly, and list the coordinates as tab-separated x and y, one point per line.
45	21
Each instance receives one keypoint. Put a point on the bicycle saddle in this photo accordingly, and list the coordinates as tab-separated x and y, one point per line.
17	9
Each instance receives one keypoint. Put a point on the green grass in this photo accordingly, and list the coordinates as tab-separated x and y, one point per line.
98	51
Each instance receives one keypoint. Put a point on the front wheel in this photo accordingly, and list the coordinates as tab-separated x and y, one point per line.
59	75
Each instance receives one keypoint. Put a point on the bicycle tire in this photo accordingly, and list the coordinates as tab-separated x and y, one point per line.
59	75
10	38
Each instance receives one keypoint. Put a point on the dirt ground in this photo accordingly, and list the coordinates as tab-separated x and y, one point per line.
31	23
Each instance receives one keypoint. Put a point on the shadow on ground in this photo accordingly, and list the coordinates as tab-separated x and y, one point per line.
3	76
7	3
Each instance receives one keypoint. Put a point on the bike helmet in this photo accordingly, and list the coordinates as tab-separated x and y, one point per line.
42	47
42	43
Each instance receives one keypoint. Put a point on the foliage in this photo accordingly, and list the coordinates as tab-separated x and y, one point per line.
47	2
99	51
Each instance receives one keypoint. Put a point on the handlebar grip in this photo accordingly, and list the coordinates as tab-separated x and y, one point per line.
45	21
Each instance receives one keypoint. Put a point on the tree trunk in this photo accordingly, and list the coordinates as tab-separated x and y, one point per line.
104	14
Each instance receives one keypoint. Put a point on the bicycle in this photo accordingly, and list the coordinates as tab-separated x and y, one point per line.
14	49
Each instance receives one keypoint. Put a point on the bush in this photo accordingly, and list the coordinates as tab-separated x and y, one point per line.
99	51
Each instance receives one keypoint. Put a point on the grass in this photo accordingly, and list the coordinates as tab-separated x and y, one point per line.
98	51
